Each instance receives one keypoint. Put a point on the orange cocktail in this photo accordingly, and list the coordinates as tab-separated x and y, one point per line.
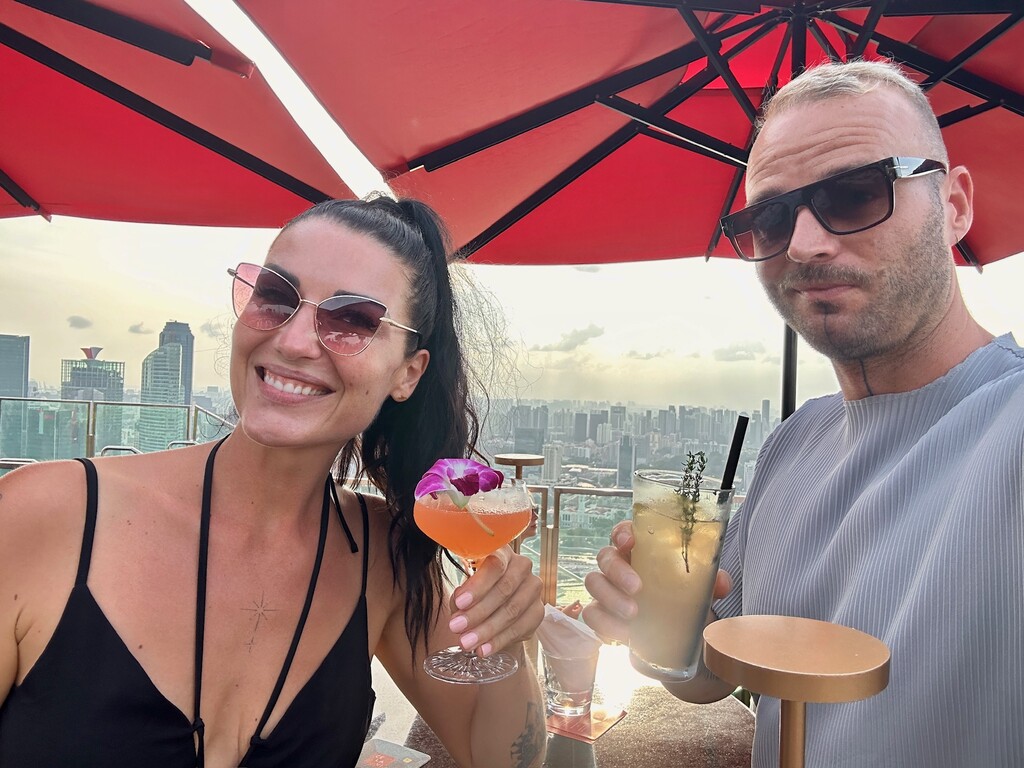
490	521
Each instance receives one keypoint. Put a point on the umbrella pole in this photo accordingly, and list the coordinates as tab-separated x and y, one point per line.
788	372
798	63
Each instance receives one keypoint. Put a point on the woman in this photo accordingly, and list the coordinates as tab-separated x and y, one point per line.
224	601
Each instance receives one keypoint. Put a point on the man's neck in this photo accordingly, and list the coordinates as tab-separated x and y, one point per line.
916	364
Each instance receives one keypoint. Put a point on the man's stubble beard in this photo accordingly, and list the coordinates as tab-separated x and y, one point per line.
909	298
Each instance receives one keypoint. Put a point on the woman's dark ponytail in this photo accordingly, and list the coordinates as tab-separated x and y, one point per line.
437	420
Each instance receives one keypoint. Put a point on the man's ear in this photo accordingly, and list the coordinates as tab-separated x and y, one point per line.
408	375
960	205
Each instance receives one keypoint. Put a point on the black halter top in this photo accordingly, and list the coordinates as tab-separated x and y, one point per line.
88	702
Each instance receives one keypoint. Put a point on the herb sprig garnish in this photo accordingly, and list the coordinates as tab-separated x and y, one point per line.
693	474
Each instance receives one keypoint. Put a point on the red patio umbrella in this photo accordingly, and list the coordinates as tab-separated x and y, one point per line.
143	112
549	131
589	131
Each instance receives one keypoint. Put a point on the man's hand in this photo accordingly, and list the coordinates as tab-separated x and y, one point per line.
615	586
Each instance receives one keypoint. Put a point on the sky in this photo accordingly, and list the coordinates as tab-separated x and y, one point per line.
681	331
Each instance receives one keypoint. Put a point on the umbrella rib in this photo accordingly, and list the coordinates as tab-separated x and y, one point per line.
874	16
723	150
124	28
927	64
826	46
711	45
550	188
23	198
963	113
972	50
65	66
576	100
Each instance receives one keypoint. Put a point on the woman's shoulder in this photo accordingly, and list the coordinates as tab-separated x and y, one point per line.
42	514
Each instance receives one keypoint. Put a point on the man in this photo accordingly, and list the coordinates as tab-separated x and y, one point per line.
897	505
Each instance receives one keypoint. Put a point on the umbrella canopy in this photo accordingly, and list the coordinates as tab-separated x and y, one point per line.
589	131
143	112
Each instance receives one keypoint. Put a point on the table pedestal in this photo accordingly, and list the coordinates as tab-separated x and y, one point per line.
796	660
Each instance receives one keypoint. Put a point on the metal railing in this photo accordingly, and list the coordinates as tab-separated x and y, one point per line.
42	429
583	558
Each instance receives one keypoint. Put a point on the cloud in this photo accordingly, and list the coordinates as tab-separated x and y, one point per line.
571	340
634	355
587	268
137	328
738	352
77	321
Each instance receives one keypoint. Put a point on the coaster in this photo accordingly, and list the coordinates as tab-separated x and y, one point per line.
586	728
378	753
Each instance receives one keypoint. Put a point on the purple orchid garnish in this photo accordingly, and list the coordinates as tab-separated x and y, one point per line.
460	479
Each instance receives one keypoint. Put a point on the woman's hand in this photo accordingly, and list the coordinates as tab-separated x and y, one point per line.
498	605
614	587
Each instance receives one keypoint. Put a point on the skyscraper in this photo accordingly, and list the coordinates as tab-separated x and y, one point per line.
94	379
179	333
552	468
13	383
626	463
162	384
13	365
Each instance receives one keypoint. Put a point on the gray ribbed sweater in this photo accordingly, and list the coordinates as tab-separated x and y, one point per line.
901	515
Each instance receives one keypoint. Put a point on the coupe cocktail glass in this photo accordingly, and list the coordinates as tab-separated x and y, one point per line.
487	523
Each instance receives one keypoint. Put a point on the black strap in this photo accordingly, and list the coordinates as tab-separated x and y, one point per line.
366	537
325	516
91	494
341	516
198	726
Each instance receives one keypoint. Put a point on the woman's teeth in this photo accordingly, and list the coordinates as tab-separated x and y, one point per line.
293	387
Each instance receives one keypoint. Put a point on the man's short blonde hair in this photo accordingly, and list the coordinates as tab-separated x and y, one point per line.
855	78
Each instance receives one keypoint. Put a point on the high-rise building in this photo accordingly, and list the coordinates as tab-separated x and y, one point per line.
579	428
552	468
162	384
13	365
618	416
626	463
13	383
179	333
528	440
94	379
597	418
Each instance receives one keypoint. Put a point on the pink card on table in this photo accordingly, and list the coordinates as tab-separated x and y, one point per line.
378	753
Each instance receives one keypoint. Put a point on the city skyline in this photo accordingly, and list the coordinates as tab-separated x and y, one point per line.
680	330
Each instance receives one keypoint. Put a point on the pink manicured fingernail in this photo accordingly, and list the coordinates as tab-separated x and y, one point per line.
464	600
469	640
458	624
485	649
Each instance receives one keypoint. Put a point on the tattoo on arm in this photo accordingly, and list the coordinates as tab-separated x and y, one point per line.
528	748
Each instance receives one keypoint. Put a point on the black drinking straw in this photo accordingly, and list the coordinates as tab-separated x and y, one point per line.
734	452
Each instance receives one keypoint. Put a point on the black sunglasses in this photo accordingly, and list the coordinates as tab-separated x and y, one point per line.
345	324
848	202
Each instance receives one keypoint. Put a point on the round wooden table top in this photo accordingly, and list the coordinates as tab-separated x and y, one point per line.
797	659
519	459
